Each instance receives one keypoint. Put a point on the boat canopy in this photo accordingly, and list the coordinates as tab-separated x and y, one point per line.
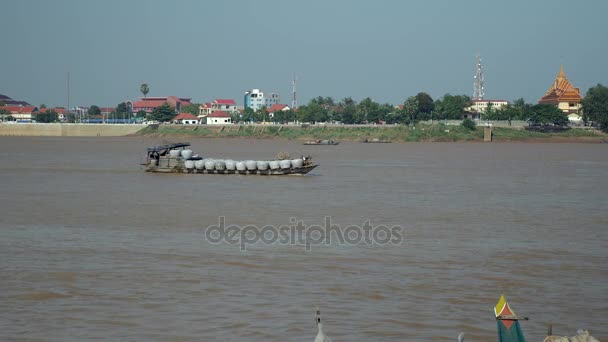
168	147
507	323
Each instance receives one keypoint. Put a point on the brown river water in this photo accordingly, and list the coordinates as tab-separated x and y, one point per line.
92	247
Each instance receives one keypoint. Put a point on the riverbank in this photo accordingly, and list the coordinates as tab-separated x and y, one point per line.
419	133
67	129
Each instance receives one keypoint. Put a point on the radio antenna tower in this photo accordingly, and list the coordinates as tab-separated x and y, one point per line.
478	80
294	100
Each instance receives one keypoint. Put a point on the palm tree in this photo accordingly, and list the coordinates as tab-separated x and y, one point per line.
144	89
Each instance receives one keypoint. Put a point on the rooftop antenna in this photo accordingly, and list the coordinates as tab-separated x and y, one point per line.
294	100
478	80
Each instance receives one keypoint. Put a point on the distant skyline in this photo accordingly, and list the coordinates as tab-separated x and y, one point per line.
387	50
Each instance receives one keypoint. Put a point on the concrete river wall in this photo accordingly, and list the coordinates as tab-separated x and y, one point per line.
67	129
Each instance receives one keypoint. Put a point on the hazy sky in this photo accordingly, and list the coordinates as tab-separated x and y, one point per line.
386	50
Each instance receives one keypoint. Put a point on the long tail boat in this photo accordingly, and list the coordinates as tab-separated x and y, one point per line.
507	322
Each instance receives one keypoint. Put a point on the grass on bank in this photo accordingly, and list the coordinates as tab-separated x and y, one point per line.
420	132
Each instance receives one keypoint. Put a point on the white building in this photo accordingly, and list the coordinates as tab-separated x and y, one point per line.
185	119
224	105
256	99
219	118
480	106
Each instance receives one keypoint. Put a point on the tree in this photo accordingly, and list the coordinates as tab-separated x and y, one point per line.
369	111
425	103
409	113
47	117
452	106
284	116
71	118
94	110
42	106
5	115
191	108
468	124
141	114
163	113
545	114
144	89
122	108
248	115
595	106
347	111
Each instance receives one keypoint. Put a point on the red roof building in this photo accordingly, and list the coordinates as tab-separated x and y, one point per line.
278	107
185	118
147	104
22	112
219	118
224	105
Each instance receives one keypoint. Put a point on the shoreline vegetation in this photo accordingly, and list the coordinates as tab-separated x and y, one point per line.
397	133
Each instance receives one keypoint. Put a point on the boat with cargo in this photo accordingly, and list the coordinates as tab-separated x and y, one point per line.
176	158
321	142
375	141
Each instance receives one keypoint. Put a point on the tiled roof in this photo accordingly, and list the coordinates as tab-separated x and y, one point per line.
185	116
276	108
561	90
148	103
225	101
20	109
219	114
58	110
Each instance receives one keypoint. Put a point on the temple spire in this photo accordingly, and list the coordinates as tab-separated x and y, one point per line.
561	75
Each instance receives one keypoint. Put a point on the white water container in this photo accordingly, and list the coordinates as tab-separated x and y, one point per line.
230	165
296	163
251	165
274	164
199	164
220	165
189	164
186	154
175	153
209	164
285	164
262	165
241	165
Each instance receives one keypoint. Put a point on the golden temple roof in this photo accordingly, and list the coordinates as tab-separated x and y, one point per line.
561	90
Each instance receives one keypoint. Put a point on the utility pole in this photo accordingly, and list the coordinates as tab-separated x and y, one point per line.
294	101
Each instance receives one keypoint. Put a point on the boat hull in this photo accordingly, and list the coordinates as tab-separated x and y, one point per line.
306	143
277	172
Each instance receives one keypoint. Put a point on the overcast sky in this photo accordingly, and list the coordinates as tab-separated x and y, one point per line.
386	50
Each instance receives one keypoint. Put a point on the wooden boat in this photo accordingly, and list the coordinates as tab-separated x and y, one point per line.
321	142
376	141
507	322
174	158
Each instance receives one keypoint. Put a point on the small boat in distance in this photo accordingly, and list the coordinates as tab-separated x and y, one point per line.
175	158
321	142
376	141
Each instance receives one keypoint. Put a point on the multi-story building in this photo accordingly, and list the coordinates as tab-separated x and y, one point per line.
256	99
224	105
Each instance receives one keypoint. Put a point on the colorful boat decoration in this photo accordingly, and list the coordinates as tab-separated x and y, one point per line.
507	322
